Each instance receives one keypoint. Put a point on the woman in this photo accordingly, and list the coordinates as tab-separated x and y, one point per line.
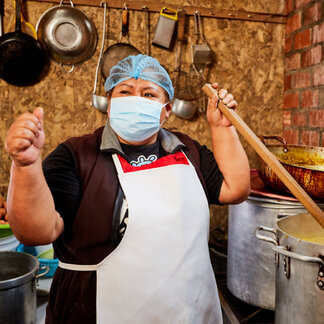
127	206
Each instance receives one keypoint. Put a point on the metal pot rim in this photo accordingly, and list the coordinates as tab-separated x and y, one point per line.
273	202
320	148
295	237
18	281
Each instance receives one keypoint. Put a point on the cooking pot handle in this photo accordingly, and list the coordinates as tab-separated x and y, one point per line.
67	71
71	3
265	238
46	268
305	258
278	138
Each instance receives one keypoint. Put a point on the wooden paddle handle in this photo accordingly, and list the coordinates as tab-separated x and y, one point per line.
124	20
181	24
268	157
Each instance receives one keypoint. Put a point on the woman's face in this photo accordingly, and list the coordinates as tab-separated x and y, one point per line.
146	89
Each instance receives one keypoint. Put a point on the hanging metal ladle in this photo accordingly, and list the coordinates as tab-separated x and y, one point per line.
100	102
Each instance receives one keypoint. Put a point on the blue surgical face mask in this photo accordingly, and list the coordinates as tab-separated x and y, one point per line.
134	118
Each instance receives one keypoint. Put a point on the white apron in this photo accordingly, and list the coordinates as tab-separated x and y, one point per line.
161	271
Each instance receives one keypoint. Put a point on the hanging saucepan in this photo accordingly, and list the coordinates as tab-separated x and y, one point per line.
116	52
67	34
22	58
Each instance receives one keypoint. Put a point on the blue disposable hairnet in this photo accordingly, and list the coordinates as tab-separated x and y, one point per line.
143	67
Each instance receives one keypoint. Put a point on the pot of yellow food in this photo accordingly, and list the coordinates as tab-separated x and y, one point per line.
304	163
299	289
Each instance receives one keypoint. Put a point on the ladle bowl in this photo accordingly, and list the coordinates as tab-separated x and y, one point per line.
99	102
182	108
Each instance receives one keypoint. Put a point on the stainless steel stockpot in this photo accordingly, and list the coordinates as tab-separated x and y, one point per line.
18	276
299	248
251	262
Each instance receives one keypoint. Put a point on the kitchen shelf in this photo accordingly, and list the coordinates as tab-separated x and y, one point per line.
156	6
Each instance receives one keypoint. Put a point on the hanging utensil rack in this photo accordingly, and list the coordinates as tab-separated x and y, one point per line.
155	6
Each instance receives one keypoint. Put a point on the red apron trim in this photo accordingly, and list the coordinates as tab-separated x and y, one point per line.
176	158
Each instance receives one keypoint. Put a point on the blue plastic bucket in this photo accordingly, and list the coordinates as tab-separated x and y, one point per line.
52	263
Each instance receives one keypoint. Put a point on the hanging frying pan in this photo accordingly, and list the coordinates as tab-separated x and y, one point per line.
118	51
22	57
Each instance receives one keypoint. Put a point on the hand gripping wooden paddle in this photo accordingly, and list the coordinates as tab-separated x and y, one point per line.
268	157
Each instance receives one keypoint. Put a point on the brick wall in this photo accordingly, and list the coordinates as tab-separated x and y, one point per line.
303	104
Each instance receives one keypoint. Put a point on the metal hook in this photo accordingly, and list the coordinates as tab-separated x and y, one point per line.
124	6
196	31
71	3
69	71
103	2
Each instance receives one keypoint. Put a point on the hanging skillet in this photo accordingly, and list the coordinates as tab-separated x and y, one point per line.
22	57
67	34
118	51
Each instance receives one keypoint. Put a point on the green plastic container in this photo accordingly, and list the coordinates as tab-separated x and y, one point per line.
5	231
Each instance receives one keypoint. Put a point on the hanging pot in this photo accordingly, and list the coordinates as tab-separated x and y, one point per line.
67	34
22	58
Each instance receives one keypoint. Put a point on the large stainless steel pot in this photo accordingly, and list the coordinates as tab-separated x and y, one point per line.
300	270
304	163
67	34
250	262
18	275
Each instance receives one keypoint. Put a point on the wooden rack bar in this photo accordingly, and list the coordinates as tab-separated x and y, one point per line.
155	6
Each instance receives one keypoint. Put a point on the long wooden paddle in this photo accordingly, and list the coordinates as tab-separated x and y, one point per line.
268	157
